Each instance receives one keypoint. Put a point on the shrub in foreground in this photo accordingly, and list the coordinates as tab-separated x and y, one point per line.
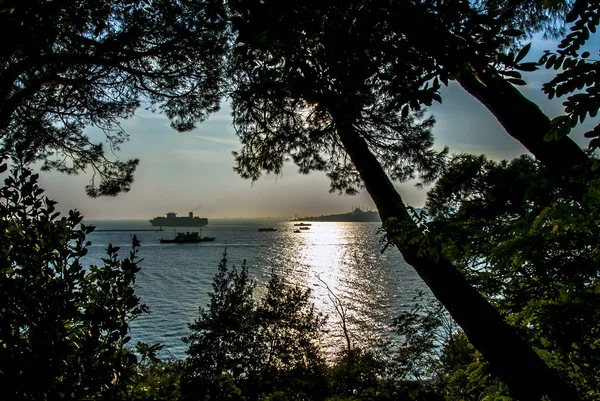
63	327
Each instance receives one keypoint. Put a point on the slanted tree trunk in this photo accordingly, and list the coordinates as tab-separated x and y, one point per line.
512	358
522	119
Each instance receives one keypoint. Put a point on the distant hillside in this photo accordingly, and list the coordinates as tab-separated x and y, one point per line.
356	216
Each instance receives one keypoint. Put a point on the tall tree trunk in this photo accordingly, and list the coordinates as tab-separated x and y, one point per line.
522	119
528	377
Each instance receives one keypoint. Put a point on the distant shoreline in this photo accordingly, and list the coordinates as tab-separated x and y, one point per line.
356	216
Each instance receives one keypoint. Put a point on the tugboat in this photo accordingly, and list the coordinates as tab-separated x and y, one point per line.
188	237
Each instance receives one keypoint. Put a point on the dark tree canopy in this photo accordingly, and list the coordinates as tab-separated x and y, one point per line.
376	49
478	44
529	244
531	17
70	64
346	76
296	69
334	86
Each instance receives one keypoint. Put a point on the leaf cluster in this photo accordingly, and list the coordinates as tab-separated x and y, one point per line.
529	245
472	37
67	65
578	72
301	72
256	345
531	17
433	350
63	326
157	380
267	348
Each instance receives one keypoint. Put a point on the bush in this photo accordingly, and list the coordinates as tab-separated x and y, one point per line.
63	327
256	346
157	381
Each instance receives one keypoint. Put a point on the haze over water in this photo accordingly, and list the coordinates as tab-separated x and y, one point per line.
175	279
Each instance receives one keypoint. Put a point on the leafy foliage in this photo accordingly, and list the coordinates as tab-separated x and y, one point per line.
69	64
434	351
333	87
530	17
421	338
240	344
578	72
63	327
298	70
157	381
245	348
527	243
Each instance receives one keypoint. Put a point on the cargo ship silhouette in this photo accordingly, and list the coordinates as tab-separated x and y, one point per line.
173	221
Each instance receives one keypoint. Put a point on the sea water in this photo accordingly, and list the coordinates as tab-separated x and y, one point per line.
344	260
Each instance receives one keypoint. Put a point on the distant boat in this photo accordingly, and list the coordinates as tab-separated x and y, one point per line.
297	231
183	238
303	224
173	221
305	228
267	229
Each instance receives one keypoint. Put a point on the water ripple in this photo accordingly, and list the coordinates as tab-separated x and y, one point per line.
175	278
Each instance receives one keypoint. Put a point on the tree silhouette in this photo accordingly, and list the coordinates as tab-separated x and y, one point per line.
70	64
330	86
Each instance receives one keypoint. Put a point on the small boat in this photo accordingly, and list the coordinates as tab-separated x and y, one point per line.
303	224
267	229
189	237
305	228
297	231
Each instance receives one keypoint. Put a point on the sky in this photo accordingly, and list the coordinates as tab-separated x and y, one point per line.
193	171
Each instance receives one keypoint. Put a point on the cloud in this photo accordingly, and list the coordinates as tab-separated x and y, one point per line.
224	141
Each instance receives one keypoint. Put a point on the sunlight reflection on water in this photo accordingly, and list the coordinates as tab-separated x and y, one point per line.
176	278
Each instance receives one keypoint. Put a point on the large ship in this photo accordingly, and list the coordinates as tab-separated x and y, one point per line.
173	221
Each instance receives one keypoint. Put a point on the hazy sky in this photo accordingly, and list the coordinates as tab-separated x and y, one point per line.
181	172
